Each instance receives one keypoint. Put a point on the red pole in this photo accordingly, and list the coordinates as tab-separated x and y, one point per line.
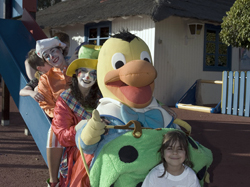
31	7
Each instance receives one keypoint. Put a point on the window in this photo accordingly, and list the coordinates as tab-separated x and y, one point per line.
217	55
97	33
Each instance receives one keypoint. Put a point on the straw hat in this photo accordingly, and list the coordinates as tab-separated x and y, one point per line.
88	55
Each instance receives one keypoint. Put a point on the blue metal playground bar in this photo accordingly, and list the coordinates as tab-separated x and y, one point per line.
188	100
15	43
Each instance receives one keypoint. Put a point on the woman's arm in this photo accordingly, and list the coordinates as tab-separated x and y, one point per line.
29	70
48	104
28	91
63	123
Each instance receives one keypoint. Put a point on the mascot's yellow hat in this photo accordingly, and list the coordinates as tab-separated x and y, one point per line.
88	55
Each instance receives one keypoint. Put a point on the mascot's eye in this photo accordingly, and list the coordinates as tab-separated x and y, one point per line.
118	60
145	56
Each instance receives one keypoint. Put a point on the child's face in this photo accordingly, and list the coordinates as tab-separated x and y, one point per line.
174	155
45	68
86	77
54	57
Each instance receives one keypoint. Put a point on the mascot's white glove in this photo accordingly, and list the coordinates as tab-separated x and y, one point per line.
92	132
80	124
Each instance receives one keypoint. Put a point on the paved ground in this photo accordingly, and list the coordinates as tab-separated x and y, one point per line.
21	163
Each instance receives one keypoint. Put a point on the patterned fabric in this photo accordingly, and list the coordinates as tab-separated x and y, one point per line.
77	108
52	141
74	105
63	168
115	167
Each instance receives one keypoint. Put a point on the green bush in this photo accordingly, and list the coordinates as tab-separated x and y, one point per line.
236	25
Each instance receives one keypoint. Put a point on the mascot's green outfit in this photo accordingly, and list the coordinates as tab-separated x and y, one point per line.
123	158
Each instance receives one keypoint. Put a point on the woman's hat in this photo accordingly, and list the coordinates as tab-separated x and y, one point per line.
48	43
88	55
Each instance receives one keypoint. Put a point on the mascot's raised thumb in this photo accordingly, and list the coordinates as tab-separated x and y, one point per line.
92	132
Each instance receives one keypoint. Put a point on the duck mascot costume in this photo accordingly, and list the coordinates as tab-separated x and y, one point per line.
126	130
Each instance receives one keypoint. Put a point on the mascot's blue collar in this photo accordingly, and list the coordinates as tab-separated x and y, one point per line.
112	107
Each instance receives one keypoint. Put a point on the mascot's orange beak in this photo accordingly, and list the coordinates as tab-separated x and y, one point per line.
133	83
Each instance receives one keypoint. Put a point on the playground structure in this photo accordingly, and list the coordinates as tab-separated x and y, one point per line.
235	88
14	47
189	100
235	95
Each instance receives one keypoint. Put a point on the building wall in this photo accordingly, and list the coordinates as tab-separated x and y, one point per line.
177	56
2	9
179	63
76	35
142	27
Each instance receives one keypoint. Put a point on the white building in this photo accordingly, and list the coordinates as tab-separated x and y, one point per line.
180	58
2	8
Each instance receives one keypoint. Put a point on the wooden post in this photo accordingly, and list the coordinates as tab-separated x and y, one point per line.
31	7
5	105
8	9
5	92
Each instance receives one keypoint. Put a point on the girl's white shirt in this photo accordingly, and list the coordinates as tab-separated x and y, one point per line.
187	178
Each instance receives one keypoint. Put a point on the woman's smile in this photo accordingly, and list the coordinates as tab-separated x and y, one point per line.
86	81
55	60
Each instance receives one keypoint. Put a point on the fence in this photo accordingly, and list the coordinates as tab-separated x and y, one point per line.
235	99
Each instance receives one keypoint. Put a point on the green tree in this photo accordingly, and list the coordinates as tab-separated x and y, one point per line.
236	25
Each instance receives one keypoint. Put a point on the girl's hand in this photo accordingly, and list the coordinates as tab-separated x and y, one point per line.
37	96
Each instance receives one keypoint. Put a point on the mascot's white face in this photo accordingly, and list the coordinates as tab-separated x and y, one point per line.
125	72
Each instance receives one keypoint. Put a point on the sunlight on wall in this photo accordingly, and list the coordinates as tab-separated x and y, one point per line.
78	39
